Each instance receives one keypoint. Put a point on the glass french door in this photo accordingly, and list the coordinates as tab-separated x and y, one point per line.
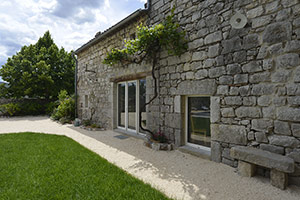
142	101
121	105
129	104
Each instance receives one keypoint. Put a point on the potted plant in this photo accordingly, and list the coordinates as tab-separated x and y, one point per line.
159	141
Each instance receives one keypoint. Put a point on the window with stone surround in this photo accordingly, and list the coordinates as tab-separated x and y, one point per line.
198	121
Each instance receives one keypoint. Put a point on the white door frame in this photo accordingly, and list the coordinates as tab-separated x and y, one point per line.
126	107
120	127
137	94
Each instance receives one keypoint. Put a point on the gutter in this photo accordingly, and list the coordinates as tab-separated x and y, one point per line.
114	28
76	70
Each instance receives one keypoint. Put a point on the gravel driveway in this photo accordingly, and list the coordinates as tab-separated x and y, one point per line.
178	175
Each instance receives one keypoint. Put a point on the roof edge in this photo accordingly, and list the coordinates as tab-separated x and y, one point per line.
113	28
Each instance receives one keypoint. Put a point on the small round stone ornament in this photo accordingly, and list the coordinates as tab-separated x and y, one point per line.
238	21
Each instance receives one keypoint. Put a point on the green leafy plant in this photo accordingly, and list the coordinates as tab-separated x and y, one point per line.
65	108
24	107
160	137
87	122
64	120
95	126
147	45
63	94
149	41
50	107
10	109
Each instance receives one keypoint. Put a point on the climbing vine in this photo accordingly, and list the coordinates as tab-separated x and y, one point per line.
149	40
148	44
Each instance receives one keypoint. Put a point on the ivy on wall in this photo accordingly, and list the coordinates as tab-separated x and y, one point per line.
149	42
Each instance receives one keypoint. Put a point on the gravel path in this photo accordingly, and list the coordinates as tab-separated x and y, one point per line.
178	175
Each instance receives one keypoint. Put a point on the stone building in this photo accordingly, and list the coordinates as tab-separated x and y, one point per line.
235	86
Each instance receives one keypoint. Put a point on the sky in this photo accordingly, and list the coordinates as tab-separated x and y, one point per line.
71	23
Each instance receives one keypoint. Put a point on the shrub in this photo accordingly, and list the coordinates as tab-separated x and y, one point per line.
25	107
10	109
50	107
64	120
160	137
65	108
31	108
63	94
87	122
95	126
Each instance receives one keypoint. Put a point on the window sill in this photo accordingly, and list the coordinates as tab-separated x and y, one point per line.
205	154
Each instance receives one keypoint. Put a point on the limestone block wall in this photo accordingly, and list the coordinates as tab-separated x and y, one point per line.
251	74
94	78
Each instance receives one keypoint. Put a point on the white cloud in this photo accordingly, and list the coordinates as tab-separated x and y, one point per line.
106	4
70	22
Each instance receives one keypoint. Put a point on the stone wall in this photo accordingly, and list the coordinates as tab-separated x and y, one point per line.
251	74
94	78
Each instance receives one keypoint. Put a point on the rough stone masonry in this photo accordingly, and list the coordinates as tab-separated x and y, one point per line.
252	75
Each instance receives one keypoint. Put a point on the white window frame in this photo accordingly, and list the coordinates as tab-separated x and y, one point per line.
137	114
187	124
120	127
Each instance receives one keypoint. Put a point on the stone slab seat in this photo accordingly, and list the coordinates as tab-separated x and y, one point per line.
249	157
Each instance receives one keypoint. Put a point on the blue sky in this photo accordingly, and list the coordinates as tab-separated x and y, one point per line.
70	22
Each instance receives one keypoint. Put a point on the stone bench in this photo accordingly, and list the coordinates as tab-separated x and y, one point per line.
249	157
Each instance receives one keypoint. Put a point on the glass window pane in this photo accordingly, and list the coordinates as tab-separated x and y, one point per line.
121	104
132	105
86	101
199	120
142	103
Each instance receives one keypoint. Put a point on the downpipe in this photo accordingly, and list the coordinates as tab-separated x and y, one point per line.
76	70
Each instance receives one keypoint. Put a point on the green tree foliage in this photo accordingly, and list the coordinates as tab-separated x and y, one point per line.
39	70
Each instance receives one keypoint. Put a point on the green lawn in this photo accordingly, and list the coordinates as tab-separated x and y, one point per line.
39	166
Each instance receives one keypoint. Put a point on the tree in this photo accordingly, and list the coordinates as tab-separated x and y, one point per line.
39	70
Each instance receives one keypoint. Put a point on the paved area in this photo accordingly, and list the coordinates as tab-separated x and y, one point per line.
178	175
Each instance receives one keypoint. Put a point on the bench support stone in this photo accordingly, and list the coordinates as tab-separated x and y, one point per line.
279	179
246	169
